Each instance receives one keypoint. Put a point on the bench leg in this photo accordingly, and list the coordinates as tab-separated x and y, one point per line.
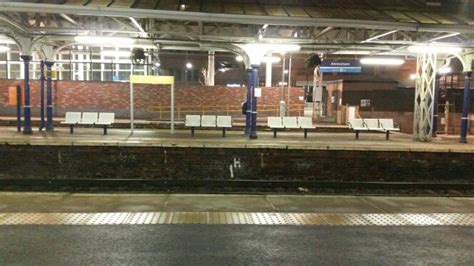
357	134
387	135
223	132
71	129
274	133
105	130
192	132
305	133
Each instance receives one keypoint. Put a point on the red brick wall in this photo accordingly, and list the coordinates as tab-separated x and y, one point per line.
114	97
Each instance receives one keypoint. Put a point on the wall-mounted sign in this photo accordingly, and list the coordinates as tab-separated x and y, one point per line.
258	92
364	102
340	66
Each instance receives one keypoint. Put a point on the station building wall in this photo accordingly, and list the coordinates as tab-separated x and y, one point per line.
149	99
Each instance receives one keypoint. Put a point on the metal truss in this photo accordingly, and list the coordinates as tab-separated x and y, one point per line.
59	23
424	96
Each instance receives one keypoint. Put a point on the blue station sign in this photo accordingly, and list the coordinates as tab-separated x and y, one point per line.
340	66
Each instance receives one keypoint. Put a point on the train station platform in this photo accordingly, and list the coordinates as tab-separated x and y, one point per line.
65	228
212	138
151	160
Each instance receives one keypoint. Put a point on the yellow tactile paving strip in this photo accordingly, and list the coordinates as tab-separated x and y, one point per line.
243	218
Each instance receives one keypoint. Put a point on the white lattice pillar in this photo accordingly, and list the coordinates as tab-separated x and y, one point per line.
424	96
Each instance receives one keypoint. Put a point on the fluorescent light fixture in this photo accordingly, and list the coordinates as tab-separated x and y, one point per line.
189	65
4	48
412	76
257	51
444	70
355	52
117	41
239	58
114	53
6	40
286	71
382	61
271	59
432	48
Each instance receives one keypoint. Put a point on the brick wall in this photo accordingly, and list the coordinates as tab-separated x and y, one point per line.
114	97
115	162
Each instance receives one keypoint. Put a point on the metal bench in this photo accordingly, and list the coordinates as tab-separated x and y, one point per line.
71	119
305	123
275	123
372	124
192	121
224	122
105	120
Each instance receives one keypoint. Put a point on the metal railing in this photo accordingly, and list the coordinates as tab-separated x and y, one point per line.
234	110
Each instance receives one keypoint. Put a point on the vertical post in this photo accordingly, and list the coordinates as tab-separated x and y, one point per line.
424	96
42	122
254	84
27	106
210	68
172	108
435	106
465	105
248	110
18	108
131	108
268	73
49	96
289	86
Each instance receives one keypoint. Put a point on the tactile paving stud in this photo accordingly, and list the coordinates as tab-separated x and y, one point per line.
243	218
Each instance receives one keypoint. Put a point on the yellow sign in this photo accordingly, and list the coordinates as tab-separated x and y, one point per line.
139	79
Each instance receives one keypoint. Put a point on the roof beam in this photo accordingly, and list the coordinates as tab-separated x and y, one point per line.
230	18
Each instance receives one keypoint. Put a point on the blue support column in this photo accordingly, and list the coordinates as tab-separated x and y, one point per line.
49	97
435	107
248	110
27	107
465	105
253	125
42	122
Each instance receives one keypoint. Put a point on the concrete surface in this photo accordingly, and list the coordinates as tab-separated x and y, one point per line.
235	245
213	138
67	202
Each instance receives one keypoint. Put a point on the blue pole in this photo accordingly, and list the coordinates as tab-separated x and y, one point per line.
18	108
465	105
42	123
248	112
27	107
254	79
49	97
435	106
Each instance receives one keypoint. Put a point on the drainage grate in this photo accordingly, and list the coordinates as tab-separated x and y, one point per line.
245	218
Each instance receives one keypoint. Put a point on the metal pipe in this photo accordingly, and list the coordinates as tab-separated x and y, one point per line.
465	105
18	108
435	106
248	109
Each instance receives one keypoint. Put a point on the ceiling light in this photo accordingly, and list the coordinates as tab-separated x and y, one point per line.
432	48
157	64
189	65
114	53
239	58
355	52
412	76
382	61
117	41
4	48
444	70
271	59
256	51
